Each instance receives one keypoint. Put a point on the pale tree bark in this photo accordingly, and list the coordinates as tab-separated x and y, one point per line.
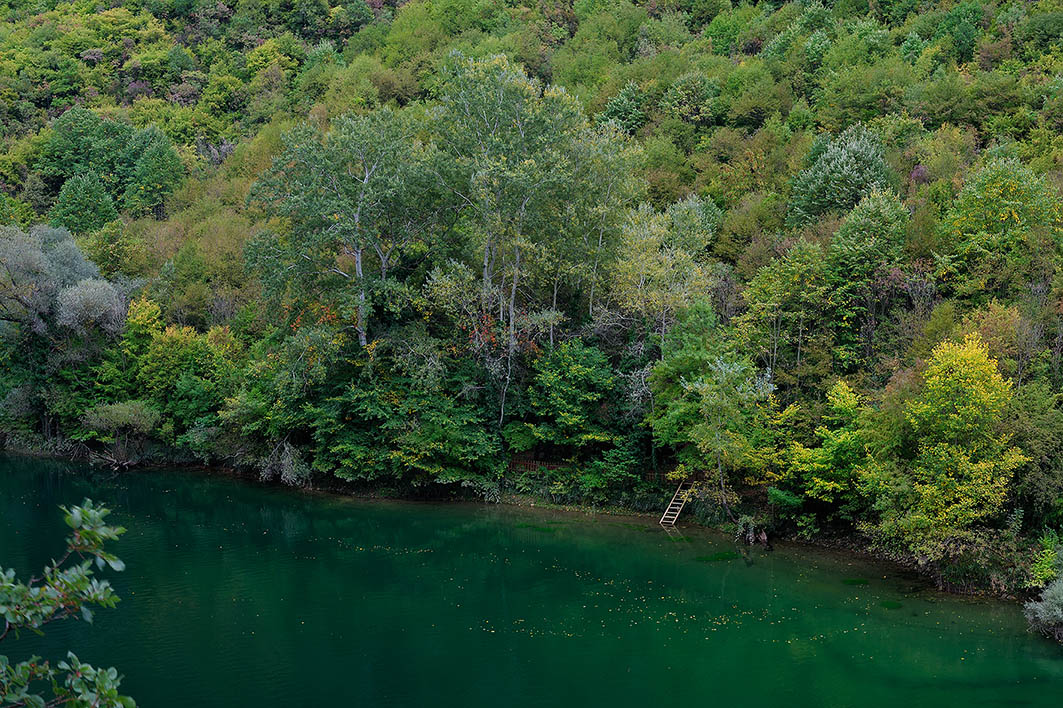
362	339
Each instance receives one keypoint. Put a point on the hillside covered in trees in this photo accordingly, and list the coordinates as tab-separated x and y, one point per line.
807	254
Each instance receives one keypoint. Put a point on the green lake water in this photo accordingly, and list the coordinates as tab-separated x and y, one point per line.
238	594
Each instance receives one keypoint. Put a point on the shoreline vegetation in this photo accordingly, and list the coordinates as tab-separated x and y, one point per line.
850	545
549	589
806	255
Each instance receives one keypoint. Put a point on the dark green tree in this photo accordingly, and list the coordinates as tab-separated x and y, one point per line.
625	109
83	205
155	173
842	171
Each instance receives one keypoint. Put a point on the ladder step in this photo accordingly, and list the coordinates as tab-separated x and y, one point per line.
675	506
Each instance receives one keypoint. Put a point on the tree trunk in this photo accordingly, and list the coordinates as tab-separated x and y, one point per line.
723	489
362	339
553	306
512	345
486	281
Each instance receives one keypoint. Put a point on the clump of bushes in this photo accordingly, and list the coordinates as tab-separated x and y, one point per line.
1044	568
1046	614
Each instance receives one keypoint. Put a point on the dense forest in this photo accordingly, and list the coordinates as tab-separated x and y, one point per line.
807	255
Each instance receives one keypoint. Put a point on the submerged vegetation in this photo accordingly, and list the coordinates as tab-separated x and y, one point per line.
807	254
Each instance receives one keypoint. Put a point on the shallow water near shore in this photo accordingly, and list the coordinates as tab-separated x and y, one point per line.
239	594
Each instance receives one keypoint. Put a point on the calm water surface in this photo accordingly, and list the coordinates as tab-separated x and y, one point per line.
240	595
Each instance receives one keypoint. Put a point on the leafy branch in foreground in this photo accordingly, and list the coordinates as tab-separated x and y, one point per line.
65	589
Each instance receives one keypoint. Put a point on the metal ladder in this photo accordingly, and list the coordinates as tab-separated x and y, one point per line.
676	505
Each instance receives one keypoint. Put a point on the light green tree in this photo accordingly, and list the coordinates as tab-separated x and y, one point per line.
345	193
540	192
728	396
662	266
509	150
710	405
827	474
791	310
963	461
1004	230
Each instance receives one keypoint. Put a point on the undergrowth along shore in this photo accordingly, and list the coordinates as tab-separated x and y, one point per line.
701	513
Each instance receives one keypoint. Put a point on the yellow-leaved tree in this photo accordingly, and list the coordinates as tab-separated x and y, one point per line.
962	461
